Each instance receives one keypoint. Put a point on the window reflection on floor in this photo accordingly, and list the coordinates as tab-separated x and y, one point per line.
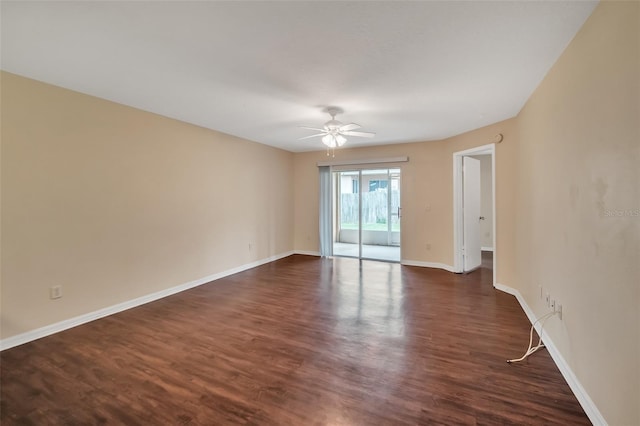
369	300
386	253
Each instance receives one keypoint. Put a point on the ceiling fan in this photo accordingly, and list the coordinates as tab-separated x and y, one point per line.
333	132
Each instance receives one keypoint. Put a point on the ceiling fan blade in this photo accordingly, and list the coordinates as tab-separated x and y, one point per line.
350	126
312	136
360	134
311	128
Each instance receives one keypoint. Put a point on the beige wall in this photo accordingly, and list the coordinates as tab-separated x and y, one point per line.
567	204
506	189
426	186
578	160
114	203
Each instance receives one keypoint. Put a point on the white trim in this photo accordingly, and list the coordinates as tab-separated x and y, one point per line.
478	150
486	248
579	391
307	252
363	161
47	330
494	213
422	264
458	261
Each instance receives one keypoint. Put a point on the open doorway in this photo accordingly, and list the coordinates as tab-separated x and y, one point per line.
367	214
474	207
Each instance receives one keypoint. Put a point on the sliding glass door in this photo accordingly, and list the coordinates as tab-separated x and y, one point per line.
367	214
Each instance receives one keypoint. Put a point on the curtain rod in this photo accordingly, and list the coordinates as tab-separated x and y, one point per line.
363	161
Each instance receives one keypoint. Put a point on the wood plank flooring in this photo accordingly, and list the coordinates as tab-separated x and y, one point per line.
300	341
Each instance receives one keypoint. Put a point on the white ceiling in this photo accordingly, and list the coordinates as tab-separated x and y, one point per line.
409	71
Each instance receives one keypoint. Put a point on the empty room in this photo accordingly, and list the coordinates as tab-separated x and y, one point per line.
320	213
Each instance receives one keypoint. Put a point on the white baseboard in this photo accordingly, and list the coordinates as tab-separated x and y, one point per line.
581	394
38	333
579	391
307	253
486	248
427	264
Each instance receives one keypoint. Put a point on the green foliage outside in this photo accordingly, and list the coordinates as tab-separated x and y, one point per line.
374	210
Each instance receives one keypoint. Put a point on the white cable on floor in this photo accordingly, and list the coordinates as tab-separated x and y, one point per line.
530	349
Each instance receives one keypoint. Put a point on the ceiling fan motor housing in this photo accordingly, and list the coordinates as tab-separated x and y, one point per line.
332	124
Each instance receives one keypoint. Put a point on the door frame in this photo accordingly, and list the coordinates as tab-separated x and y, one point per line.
458	217
335	211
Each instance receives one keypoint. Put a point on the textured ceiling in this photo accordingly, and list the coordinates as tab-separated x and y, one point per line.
409	71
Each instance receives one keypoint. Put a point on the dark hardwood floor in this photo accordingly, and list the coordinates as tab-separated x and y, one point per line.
300	341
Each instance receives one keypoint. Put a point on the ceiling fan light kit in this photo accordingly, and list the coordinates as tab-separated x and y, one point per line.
333	132
332	141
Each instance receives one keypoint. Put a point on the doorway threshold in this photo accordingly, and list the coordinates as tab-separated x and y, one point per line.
369	252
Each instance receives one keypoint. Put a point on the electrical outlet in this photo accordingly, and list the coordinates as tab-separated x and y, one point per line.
559	310
547	298
55	292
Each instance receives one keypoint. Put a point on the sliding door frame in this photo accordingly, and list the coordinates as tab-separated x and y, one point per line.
337	220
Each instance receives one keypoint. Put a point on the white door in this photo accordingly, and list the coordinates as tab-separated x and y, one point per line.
471	213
